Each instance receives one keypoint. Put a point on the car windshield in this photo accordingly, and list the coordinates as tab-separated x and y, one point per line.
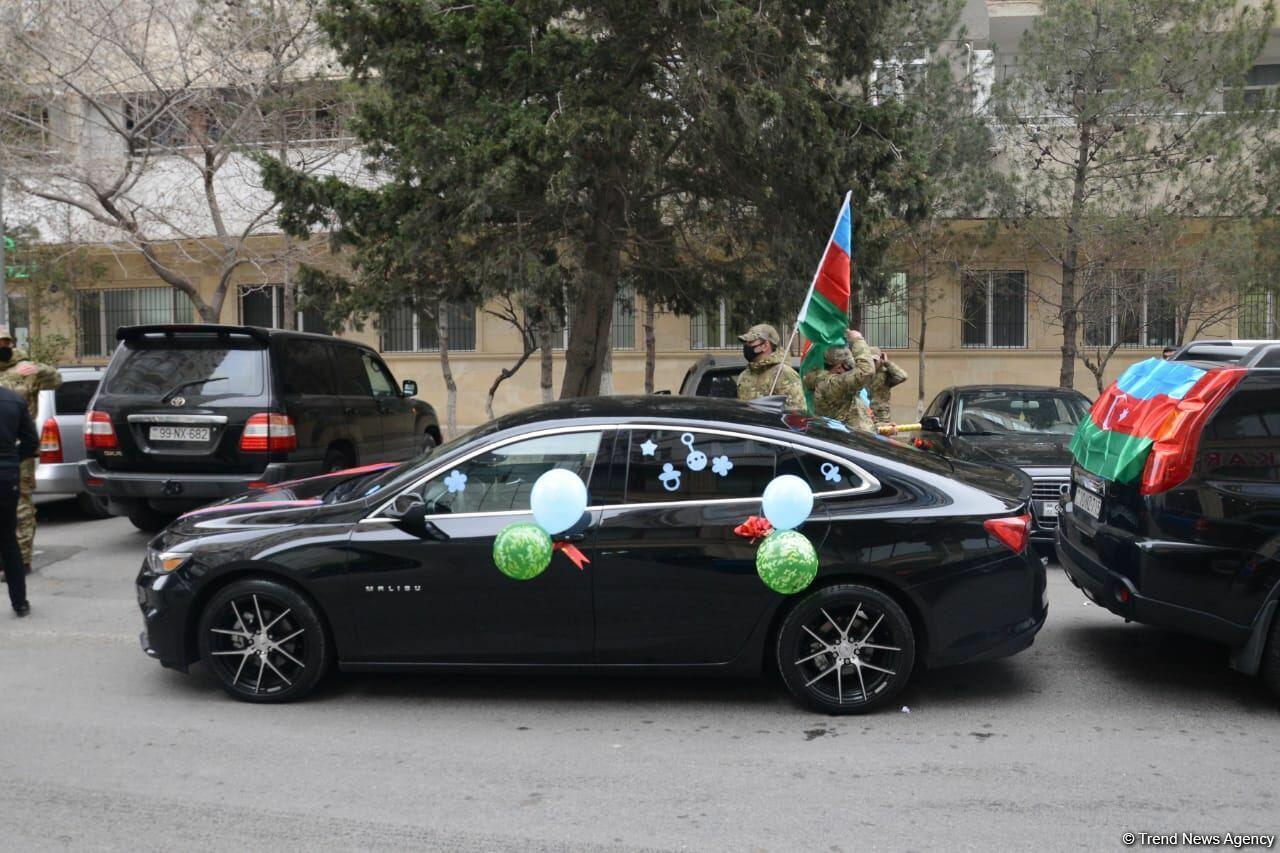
1019	412
392	479
197	370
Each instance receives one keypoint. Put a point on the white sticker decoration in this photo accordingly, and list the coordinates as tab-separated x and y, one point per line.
696	460
831	472
722	465
648	448
670	477
456	481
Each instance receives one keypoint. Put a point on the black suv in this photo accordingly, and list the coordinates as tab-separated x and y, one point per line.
1193	545
189	414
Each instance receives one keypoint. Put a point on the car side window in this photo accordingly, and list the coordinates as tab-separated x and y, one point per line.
379	379
72	398
305	368
687	465
500	480
938	408
719	384
822	474
1242	442
349	373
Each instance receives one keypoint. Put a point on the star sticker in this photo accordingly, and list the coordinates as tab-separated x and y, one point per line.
648	448
722	465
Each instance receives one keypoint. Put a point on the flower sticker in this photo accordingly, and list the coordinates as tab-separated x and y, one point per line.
456	481
722	465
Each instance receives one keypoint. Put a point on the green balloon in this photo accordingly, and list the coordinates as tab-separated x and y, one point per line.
522	550
786	561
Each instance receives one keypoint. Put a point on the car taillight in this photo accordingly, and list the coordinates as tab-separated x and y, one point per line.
269	431
50	443
1011	530
1173	448
99	434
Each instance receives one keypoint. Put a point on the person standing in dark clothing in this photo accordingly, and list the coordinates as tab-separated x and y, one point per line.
18	441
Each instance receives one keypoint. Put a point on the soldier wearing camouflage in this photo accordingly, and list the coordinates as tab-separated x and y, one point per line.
768	371
888	375
27	379
835	390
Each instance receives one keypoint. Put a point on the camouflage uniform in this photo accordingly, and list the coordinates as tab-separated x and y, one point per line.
29	387
835	395
758	380
888	375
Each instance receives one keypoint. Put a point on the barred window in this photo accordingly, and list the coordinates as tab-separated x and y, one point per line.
407	329
624	318
1132	308
101	312
1259	317
884	322
263	305
994	309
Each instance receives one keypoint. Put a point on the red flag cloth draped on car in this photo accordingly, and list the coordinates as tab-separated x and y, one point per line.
1147	424
824	316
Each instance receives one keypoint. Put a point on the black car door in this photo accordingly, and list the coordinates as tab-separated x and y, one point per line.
307	391
399	440
355	395
440	598
673	583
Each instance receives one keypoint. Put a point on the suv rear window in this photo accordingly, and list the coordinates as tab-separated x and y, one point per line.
213	370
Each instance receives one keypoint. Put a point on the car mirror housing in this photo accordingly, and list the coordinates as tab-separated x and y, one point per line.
931	424
409	388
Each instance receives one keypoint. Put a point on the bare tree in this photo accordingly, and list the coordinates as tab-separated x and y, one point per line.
151	118
520	321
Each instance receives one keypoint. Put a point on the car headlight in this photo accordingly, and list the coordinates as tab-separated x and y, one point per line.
163	562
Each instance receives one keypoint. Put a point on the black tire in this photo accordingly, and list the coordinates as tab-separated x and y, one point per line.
1269	666
279	664
336	459
428	442
148	520
92	505
855	624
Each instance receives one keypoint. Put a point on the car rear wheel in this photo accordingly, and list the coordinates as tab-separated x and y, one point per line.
846	649
92	505
428	442
337	460
263	641
1269	669
149	520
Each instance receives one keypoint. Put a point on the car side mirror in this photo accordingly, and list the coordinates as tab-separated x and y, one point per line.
933	423
409	388
409	513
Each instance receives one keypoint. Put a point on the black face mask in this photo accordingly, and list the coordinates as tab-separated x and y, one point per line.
6	353
748	352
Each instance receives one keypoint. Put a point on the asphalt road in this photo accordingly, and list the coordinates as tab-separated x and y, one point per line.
1101	728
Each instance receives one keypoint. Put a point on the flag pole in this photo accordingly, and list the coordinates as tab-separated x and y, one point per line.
778	373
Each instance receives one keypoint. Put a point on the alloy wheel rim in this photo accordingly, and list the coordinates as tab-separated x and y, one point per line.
257	645
848	654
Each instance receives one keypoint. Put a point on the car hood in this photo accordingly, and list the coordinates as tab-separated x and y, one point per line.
1023	450
289	497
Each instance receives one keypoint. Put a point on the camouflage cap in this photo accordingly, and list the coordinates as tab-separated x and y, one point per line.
762	332
837	355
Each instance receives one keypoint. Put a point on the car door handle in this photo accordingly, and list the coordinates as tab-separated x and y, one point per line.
348	411
570	537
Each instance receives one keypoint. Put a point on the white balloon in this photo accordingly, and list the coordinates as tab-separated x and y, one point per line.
788	500
558	500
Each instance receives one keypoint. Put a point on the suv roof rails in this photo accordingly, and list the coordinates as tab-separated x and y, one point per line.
168	330
1246	353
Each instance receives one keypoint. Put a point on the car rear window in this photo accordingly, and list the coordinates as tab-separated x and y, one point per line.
209	370
720	383
73	397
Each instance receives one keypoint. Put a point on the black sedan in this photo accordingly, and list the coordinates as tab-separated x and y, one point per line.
921	560
1027	426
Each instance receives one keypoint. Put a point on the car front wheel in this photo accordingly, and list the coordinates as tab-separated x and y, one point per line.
263	641
846	649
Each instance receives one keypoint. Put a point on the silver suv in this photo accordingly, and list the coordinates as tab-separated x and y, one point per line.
60	420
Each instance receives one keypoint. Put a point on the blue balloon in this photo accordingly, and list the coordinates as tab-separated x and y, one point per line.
558	500
788	500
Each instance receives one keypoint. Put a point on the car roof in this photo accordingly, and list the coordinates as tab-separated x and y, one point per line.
643	407
261	333
1057	389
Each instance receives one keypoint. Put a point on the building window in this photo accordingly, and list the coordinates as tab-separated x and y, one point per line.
263	305
1259	81
995	309
1259	318
407	329
101	312
884	322
1131	310
624	318
19	320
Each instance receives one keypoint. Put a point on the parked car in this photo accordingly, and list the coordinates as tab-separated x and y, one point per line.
716	375
1027	426
60	418
921	560
190	414
1192	545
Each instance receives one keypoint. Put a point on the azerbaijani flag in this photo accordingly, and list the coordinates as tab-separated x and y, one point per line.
824	316
1155	402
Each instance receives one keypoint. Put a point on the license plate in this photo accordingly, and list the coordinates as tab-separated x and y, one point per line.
1049	509
178	433
1089	503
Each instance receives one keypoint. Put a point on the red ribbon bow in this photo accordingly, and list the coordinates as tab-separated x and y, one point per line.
571	551
754	528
